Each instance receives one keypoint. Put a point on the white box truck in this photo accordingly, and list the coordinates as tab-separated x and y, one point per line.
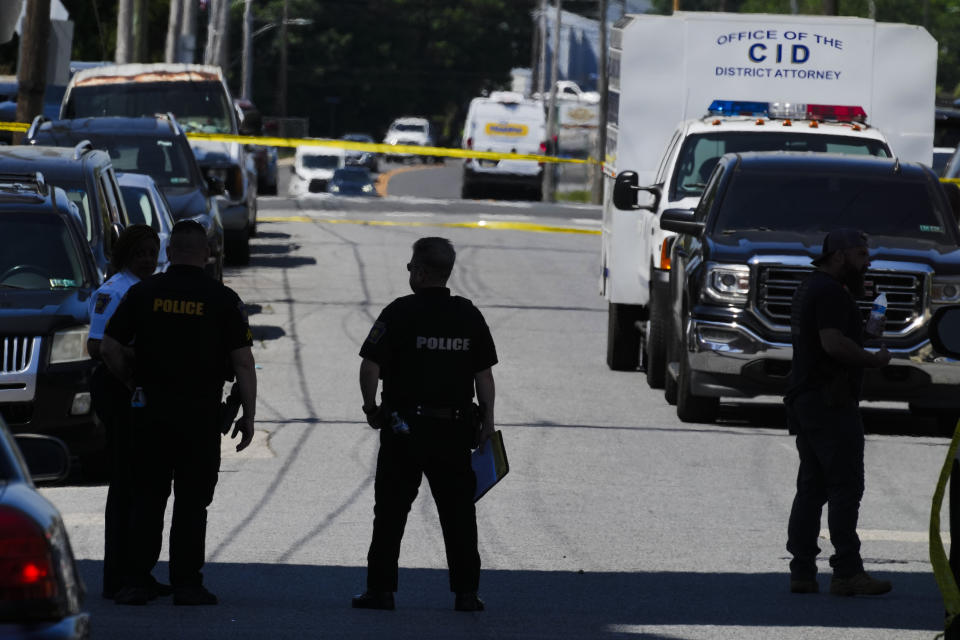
738	82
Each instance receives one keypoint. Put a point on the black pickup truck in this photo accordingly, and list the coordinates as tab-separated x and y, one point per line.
741	254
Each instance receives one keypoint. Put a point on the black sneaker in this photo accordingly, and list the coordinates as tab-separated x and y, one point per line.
158	589
468	601
374	600
193	595
132	596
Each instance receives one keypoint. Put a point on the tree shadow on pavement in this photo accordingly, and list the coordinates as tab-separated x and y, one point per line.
280	601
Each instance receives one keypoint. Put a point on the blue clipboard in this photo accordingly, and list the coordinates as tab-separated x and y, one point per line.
489	464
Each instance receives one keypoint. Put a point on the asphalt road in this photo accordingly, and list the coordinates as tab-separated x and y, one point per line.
616	520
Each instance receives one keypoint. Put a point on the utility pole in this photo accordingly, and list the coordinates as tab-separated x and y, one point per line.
601	152
187	46
140	21
246	89
173	31
32	71
124	32
282	92
542	64
549	171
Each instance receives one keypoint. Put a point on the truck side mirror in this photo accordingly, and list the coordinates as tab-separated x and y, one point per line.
681	221
626	188
944	331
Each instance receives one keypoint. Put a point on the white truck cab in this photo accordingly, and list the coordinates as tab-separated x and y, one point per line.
738	82
313	167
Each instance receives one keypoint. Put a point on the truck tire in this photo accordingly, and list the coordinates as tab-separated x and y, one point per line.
623	339
691	408
655	349
669	382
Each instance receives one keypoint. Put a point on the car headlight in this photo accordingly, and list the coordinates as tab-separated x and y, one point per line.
945	290
334	188
367	188
728	282
70	345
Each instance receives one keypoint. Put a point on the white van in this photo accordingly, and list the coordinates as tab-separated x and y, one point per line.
504	122
312	169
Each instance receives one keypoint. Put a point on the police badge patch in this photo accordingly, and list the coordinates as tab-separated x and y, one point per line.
103	299
376	332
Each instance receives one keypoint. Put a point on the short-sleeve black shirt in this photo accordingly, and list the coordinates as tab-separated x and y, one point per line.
429	345
183	326
822	302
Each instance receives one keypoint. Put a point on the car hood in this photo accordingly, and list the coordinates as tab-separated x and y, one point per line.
742	246
186	202
211	153
40	312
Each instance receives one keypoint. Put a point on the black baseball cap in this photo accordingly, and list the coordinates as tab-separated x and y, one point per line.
840	239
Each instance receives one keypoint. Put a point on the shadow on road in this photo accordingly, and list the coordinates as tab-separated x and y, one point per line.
281	601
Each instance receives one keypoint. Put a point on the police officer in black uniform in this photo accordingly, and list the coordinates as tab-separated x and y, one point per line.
822	402
186	330
432	350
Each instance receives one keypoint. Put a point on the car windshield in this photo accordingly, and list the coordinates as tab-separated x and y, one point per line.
358	137
814	202
319	161
77	194
700	153
140	207
409	127
38	252
198	106
159	158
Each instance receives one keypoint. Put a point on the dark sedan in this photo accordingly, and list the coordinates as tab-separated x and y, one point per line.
352	181
41	592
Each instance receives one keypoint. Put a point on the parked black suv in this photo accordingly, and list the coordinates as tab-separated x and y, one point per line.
155	146
743	251
87	176
47	277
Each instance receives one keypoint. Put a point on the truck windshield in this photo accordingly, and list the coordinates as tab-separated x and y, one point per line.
198	106
38	252
320	161
817	202
700	153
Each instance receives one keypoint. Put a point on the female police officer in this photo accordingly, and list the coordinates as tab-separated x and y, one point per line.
134	258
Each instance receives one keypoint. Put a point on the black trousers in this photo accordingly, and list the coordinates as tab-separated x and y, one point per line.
439	450
830	443
111	402
177	441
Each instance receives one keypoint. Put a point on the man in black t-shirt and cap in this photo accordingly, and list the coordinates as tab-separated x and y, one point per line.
432	351
822	402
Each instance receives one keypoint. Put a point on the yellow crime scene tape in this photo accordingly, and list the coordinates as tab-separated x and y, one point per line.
479	224
938	556
267	141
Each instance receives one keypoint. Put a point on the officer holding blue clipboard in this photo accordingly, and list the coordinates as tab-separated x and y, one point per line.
432	351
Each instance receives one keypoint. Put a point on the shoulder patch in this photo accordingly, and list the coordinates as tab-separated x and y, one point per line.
376	332
103	299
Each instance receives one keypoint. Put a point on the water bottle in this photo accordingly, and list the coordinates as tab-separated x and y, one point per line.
878	311
138	400
398	425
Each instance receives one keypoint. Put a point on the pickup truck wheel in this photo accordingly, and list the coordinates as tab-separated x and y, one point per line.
691	408
623	339
655	349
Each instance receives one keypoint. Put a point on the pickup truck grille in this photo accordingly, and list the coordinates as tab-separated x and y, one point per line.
17	352
904	294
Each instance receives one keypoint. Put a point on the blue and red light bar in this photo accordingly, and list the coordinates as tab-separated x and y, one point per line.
798	111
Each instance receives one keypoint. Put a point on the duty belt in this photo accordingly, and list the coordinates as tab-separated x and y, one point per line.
440	413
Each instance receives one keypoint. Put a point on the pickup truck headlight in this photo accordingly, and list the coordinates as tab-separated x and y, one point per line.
728	283
70	345
945	290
